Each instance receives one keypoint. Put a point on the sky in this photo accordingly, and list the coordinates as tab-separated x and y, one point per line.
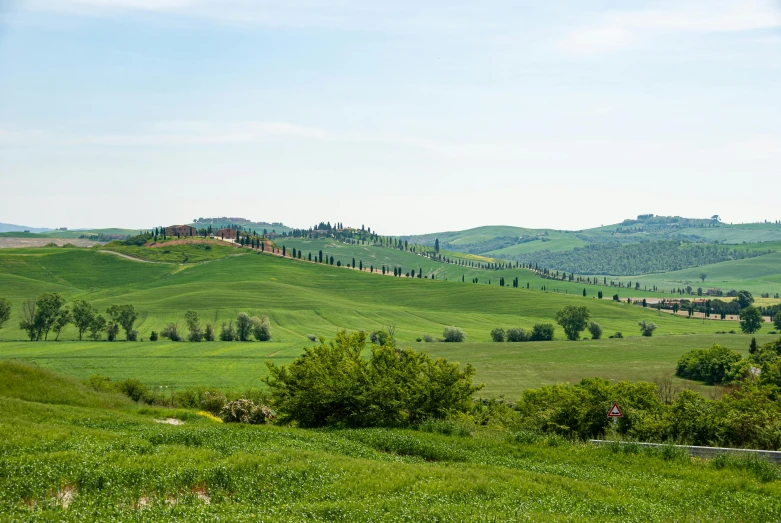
406	116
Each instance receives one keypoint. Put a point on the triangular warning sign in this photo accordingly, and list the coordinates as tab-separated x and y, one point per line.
615	412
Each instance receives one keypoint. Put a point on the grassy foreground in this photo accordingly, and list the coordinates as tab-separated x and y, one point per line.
83	456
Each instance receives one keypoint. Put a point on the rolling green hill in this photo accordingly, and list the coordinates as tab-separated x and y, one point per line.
303	298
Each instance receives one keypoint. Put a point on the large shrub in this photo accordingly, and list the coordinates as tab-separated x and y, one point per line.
715	365
497	335
261	328
331	384
595	330
171	331
516	335
453	335
542	332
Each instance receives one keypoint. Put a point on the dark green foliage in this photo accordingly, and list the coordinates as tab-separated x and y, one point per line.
261	328
243	326
750	320
595	330
84	314
748	417
381	338
227	332
124	315
573	319
139	240
208	334
497	335
617	335
714	366
171	331
542	332
191	318
40	316
153	336
744	299
647	328
636	258
5	311
332	385
453	335
516	335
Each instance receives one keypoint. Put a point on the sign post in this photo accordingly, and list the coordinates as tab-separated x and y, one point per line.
615	413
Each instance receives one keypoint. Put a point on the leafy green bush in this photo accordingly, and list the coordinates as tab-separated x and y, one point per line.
453	335
227	332
516	335
380	337
497	335
331	384
261	328
647	328
715	365
171	331
595	330
153	336
542	332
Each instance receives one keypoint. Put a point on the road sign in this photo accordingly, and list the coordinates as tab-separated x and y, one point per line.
615	412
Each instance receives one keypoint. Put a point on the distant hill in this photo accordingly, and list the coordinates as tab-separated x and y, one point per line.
10	227
259	227
599	250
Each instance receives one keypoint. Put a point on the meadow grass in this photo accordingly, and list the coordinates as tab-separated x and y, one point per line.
505	368
79	462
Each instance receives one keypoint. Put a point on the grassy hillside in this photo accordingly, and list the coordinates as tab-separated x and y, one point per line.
303	298
378	256
79	463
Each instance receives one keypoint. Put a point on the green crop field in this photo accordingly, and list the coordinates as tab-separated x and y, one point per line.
72	454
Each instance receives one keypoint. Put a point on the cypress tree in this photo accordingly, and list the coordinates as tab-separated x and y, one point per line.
283	251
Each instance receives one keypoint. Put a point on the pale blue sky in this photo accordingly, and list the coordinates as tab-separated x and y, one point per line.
406	116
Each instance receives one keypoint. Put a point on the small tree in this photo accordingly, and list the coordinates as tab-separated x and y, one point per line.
647	328
753	346
153	336
750	320
703	276
453	335
97	327
191	318
171	331
62	320
124	315
573	319
112	329
208	334
261	328
497	334
227	332
595	330
84	315
5	311
777	321
243	326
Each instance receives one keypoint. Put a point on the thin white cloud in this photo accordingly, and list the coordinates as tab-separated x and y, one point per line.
618	30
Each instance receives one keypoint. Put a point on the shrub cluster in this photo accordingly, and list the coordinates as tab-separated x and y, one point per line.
748	417
540	332
331	384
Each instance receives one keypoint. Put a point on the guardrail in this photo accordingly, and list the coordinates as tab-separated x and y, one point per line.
702	452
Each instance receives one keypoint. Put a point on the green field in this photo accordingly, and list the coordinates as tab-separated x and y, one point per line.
304	298
505	368
71	454
194	251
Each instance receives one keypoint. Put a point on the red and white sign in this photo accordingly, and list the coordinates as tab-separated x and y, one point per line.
615	412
